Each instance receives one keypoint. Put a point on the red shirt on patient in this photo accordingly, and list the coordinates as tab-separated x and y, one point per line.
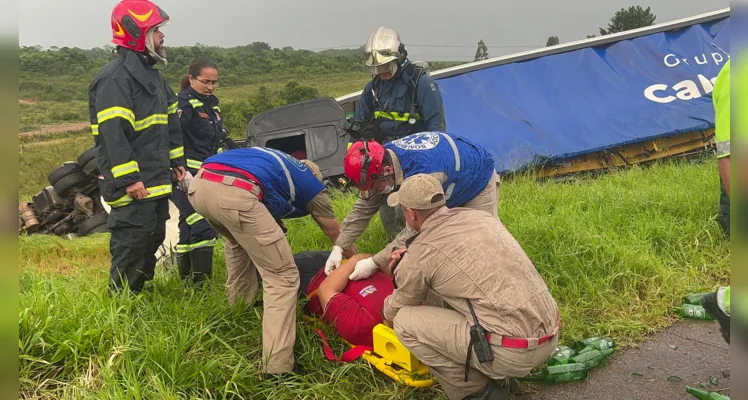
355	310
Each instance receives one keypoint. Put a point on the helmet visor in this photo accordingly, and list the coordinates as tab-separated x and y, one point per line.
376	58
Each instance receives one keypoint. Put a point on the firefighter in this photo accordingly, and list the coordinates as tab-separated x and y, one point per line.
492	288
138	141
466	170
203	133
241	193
400	100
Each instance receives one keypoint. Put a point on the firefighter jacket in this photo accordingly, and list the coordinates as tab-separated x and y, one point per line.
135	126
202	126
408	103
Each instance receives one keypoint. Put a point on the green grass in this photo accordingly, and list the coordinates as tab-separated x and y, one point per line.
617	253
38	156
48	113
67	101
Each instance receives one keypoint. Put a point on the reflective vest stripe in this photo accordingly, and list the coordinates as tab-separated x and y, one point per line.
394	116
291	188
160	119
115	112
95	129
723	148
176	153
172	108
124	169
451	187
193	218
186	248
193	164
196	103
155	191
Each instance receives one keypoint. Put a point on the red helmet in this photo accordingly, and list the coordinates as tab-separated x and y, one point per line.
363	163
131	19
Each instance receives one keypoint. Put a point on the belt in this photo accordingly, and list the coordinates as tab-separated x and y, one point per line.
231	181
522	343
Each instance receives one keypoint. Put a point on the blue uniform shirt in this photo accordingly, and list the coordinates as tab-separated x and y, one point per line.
393	104
468	166
288	185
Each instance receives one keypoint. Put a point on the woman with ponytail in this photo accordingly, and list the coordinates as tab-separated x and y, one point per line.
203	132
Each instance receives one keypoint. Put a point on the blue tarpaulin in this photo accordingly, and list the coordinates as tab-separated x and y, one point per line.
568	104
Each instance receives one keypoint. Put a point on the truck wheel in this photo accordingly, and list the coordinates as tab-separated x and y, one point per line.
76	180
91	168
96	223
87	156
65	170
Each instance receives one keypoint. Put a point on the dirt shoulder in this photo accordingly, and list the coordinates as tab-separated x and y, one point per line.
685	354
57	128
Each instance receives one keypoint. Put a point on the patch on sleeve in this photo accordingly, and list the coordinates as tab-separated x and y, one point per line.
179	112
433	87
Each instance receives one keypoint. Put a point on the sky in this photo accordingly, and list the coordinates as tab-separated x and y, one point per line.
430	32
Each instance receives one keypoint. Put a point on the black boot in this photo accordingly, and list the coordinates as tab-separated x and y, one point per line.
492	391
202	264
184	265
711	306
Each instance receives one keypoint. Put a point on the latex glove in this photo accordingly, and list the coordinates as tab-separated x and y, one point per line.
184	184
334	260
363	269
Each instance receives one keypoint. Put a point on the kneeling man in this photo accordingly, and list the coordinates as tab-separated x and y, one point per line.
470	260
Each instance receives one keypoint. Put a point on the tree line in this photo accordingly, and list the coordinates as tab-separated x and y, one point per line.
238	65
622	20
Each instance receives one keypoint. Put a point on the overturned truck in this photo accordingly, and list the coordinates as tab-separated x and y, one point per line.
71	205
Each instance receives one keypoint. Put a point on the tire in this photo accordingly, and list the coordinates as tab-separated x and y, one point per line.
65	170
91	168
96	223
87	156
76	180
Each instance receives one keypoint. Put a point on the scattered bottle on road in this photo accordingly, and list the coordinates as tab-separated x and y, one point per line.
560	373
704	395
694	312
562	356
596	343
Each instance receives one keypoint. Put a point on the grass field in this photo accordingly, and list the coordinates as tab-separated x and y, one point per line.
50	101
617	253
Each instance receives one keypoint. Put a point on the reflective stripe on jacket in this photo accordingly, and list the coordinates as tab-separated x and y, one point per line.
202	126
136	131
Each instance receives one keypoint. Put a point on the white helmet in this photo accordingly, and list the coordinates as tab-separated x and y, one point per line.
384	52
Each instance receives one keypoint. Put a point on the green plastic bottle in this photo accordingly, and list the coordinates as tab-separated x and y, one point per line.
560	373
566	373
704	395
694	299
694	312
603	343
562	356
590	359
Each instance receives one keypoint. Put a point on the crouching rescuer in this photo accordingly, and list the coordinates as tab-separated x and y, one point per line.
503	321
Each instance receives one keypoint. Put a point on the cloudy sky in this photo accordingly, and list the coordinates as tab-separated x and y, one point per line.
431	32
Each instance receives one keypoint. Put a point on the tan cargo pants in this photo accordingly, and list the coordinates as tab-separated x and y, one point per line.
439	338
254	240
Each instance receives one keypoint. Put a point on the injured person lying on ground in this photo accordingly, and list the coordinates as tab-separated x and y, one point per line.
352	308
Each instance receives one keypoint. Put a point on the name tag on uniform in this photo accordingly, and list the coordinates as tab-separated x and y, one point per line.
202	114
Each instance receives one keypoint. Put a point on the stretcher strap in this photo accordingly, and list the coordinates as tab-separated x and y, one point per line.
348	356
